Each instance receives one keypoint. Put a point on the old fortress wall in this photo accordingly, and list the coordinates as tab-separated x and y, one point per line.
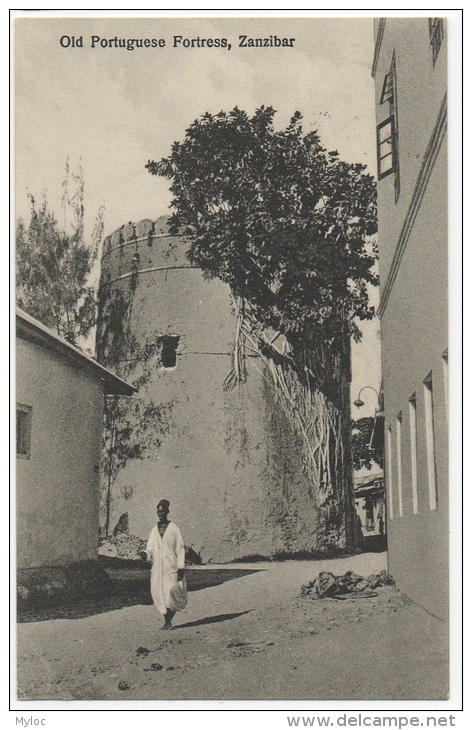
229	461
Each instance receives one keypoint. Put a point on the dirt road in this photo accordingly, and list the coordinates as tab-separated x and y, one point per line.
249	638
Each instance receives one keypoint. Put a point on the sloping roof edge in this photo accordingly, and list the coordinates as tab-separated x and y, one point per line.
365	479
370	484
369	491
30	329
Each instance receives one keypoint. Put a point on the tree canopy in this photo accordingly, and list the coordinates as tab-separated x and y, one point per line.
279	218
53	265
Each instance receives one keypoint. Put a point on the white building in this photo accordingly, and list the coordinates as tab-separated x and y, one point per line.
411	101
59	393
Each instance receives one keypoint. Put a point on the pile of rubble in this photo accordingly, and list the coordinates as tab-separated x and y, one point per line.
130	547
327	585
126	547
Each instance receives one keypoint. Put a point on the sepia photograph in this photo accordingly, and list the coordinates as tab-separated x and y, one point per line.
231	291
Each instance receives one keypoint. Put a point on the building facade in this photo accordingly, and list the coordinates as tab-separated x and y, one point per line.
411	104
369	492
59	410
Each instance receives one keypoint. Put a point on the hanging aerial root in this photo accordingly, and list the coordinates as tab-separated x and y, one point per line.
312	415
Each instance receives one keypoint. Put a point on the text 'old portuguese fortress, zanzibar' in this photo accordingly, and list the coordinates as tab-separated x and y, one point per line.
229	459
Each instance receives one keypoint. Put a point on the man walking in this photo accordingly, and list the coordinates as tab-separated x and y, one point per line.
166	549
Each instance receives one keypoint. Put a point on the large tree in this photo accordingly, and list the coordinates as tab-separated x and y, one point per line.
54	263
289	226
279	218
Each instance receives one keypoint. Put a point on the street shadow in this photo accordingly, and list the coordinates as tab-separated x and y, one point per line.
199	579
374	544
126	587
212	619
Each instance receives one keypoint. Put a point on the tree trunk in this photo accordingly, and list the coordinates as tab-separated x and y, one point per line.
312	385
323	413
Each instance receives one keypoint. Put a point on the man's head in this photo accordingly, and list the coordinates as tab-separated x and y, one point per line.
163	509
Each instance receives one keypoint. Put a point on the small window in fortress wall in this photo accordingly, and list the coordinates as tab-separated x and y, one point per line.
168	350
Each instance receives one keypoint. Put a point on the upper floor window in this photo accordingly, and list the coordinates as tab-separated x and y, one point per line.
436	35
388	90
387	131
385	147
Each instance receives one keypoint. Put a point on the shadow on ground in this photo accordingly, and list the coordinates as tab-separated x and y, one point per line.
129	586
374	544
212	619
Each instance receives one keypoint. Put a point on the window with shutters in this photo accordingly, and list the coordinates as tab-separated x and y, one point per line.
387	131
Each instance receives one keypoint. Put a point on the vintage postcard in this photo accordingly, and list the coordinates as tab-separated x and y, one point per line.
232	360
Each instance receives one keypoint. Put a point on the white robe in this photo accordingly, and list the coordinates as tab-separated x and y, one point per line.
168	556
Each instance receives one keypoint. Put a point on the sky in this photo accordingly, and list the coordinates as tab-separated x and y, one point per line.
110	110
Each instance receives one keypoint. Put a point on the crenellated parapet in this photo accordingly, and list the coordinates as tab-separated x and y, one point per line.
142	247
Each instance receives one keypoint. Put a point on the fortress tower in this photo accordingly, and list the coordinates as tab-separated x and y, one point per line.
229	460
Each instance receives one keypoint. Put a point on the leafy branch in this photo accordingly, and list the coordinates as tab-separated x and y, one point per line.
54	265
